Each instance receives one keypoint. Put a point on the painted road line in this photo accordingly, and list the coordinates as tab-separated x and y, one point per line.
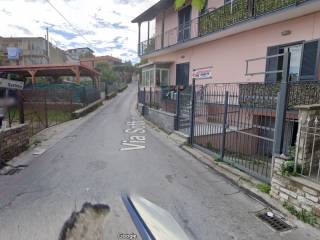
136	140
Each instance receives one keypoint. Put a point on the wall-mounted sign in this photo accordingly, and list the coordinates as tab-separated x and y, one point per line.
10	84
202	73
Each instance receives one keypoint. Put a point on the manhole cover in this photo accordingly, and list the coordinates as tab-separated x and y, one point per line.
275	222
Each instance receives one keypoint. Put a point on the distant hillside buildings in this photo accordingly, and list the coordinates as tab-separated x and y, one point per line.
36	50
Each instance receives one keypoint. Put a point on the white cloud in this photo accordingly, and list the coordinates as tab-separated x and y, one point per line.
105	24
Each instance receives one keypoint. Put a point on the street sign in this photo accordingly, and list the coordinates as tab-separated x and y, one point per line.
10	84
202	73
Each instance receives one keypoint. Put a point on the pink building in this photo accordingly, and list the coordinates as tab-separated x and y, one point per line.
221	37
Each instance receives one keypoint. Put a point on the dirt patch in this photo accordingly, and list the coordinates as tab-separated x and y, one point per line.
87	224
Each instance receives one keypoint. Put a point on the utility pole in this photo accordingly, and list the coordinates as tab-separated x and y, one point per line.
48	46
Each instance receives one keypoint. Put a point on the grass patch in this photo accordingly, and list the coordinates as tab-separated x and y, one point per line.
263	187
304	216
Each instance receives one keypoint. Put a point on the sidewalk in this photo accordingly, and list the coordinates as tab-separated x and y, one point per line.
245	182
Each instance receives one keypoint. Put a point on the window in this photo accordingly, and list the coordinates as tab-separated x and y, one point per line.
295	60
164	76
147	78
160	79
303	61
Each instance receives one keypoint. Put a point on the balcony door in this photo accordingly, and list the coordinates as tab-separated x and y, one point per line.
184	28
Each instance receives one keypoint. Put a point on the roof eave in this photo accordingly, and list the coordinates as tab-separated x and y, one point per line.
153	11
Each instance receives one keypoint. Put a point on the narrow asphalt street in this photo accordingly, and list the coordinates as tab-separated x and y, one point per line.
88	165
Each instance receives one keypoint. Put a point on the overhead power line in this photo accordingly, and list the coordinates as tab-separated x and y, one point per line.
71	25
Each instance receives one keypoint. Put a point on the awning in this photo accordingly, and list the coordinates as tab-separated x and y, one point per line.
43	70
152	12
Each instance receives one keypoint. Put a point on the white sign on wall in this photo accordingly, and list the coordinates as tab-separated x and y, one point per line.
202	73
10	84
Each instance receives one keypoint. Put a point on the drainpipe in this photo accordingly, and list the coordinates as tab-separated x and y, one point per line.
148	33
139	38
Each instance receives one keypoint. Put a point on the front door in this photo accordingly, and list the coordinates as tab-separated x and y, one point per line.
182	74
184	16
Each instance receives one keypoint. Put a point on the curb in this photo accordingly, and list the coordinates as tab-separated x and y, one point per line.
245	182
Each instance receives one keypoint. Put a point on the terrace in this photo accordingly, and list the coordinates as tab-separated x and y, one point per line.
217	23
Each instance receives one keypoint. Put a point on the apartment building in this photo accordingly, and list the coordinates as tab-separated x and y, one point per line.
218	41
75	54
93	61
32	50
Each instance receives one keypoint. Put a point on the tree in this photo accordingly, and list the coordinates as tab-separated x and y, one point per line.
107	73
198	4
125	71
1	58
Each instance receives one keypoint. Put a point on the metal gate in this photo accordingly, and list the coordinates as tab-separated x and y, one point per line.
43	108
184	110
236	125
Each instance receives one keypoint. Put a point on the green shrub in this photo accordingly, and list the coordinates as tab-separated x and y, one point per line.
287	168
265	188
303	215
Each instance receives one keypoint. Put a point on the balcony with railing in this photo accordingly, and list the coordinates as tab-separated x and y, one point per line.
216	20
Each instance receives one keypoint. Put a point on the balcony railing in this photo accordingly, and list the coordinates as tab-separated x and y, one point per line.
214	21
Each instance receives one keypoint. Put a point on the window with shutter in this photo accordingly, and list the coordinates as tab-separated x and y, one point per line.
310	60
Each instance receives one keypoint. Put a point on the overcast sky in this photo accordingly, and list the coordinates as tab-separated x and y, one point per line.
106	24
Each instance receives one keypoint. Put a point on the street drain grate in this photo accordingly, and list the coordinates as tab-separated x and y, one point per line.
274	221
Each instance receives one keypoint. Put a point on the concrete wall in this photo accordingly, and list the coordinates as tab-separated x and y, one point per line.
227	56
13	141
162	119
297	191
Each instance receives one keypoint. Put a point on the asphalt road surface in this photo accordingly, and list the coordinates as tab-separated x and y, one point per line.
102	158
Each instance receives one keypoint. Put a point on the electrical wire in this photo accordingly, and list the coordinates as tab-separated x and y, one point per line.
71	25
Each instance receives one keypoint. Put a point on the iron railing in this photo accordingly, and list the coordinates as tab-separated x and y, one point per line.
216	20
307	161
163	98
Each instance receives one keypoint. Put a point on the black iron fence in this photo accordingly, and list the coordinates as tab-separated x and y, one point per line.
45	107
89	95
163	98
237	122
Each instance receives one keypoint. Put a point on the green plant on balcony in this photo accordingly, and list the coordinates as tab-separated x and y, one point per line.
263	6
198	4
224	16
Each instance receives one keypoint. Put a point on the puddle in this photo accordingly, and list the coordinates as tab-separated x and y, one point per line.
86	224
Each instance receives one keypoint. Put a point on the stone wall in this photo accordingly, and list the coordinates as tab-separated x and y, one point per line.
13	141
297	191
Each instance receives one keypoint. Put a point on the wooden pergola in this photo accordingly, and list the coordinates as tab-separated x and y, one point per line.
52	70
